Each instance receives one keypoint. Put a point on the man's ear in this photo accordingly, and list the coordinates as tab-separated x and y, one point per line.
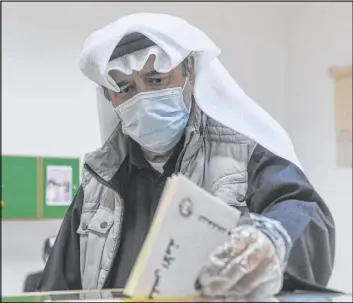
191	69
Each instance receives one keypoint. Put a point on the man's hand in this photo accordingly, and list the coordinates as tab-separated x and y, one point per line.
245	266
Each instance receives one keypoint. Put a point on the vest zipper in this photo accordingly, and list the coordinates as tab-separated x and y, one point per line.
109	185
181	155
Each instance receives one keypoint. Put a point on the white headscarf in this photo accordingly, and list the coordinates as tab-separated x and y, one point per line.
215	92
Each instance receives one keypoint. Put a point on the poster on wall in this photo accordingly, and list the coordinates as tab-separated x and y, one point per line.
58	185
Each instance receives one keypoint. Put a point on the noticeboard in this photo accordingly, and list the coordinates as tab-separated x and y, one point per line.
37	187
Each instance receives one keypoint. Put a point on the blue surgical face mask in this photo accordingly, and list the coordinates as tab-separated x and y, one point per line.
156	120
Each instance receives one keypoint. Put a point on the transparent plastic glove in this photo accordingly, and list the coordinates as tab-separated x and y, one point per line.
246	266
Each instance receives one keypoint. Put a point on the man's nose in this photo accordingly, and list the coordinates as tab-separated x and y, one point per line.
140	85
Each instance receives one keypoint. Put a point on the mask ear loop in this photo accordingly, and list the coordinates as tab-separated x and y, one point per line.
186	81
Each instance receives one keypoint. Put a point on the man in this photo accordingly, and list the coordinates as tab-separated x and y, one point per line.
32	280
166	105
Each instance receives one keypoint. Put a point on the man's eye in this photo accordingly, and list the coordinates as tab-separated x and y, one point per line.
156	81
126	90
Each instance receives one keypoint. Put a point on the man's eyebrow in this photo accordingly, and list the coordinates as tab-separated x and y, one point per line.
123	83
146	74
151	73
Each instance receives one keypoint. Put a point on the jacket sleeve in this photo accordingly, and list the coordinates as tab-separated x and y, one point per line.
62	270
279	190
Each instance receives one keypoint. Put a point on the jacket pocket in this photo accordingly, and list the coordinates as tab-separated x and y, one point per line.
232	190
95	235
101	222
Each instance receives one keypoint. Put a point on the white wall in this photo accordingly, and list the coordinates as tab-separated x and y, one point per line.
48	107
320	37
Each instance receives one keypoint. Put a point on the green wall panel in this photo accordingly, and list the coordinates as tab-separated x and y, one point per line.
24	186
19	187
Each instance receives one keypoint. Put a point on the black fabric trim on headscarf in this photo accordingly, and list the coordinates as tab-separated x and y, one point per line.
131	43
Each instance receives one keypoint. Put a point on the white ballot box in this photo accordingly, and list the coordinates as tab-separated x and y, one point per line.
188	225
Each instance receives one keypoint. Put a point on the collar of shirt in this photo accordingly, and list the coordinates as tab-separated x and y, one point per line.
138	159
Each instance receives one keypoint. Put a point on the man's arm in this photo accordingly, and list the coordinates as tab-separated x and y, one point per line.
62	270
279	190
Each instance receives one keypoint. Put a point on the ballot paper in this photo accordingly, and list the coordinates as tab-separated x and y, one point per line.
188	225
